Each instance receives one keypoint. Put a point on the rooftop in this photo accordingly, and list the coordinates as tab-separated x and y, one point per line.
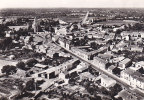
138	76
126	60
126	95
106	78
112	67
129	71
40	65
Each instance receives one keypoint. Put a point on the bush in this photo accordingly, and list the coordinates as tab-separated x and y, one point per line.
9	69
31	62
21	65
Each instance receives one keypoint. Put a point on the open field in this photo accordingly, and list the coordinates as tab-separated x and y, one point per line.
118	22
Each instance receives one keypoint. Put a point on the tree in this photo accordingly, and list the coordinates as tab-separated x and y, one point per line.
30	85
6	42
21	65
91	89
72	81
119	98
94	45
31	62
9	69
3	98
115	89
97	97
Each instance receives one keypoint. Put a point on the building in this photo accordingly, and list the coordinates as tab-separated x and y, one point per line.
111	68
88	55
61	31
139	64
107	81
126	95
55	71
124	63
136	48
18	27
62	42
55	38
99	62
79	68
133	78
41	49
117	59
87	75
41	66
106	56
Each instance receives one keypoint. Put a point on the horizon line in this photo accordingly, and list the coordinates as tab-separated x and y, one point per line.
73	7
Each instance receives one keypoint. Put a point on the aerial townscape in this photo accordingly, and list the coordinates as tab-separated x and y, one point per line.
72	54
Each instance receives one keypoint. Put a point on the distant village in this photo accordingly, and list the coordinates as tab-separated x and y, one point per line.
50	59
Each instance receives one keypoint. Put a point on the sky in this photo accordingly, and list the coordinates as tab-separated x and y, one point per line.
72	3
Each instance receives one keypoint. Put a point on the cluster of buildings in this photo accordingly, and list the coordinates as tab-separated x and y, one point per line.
102	47
106	56
54	71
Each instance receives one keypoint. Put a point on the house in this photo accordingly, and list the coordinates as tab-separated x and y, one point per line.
111	68
41	49
52	49
62	42
121	45
136	48
21	73
133	78
98	35
99	62
117	59
124	63
41	66
80	52
130	33
79	68
84	53
55	38
87	75
67	44
125	74
137	80
62	22
61	31
139	64
107	81
11	57
18	27
26	39
126	95
105	56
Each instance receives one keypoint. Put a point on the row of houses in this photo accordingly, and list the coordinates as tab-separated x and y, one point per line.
87	55
132	34
133	78
55	71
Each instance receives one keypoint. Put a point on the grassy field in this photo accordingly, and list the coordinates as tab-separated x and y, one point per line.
118	22
71	20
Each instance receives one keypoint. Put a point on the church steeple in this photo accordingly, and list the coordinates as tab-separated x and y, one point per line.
35	25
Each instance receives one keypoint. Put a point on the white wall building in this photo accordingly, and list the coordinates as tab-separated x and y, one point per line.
107	81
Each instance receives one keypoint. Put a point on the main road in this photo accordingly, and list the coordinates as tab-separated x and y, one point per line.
134	91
